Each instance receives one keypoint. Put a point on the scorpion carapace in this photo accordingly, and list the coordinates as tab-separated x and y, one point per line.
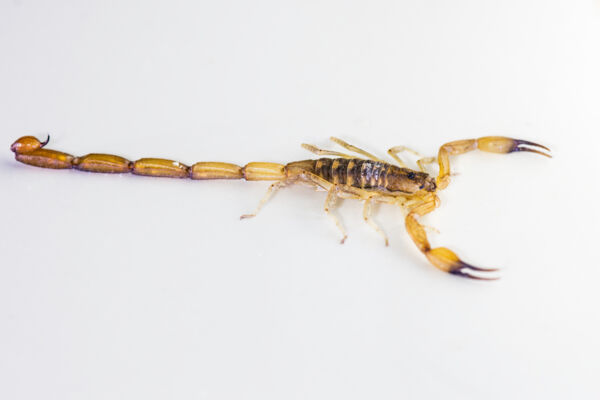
364	177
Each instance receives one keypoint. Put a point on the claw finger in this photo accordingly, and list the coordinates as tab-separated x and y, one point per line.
474	268
519	147
463	272
528	143
532	151
463	269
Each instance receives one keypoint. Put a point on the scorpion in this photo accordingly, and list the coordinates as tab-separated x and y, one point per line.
362	176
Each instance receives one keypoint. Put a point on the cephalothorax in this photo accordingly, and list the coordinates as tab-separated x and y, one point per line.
364	177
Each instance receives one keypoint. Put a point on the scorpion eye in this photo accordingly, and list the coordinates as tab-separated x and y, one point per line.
411	175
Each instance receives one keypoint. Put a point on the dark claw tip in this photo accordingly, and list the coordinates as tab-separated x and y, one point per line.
528	143
45	142
519	147
464	265
465	270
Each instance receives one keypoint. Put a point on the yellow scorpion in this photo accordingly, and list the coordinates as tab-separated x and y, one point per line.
364	177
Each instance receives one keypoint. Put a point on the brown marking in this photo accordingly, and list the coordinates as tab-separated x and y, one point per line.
368	174
407	181
318	167
342	170
354	172
323	168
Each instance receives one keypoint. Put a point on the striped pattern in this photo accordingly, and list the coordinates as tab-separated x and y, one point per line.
364	174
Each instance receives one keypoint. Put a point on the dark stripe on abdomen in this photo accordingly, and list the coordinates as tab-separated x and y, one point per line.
364	174
353	172
323	168
339	170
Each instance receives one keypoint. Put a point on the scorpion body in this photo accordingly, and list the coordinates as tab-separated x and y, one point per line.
367	178
367	174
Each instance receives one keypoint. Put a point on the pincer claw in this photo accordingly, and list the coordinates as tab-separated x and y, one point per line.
465	270
446	260
519	146
501	144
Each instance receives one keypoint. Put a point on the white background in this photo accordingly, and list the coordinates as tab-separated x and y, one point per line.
129	287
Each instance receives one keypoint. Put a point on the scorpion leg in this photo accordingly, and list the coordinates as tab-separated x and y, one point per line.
368	197
347	192
330	202
355	149
394	151
257	171
490	144
273	188
373	224
421	162
321	152
332	194
441	257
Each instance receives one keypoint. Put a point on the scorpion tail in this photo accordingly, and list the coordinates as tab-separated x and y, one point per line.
32	151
